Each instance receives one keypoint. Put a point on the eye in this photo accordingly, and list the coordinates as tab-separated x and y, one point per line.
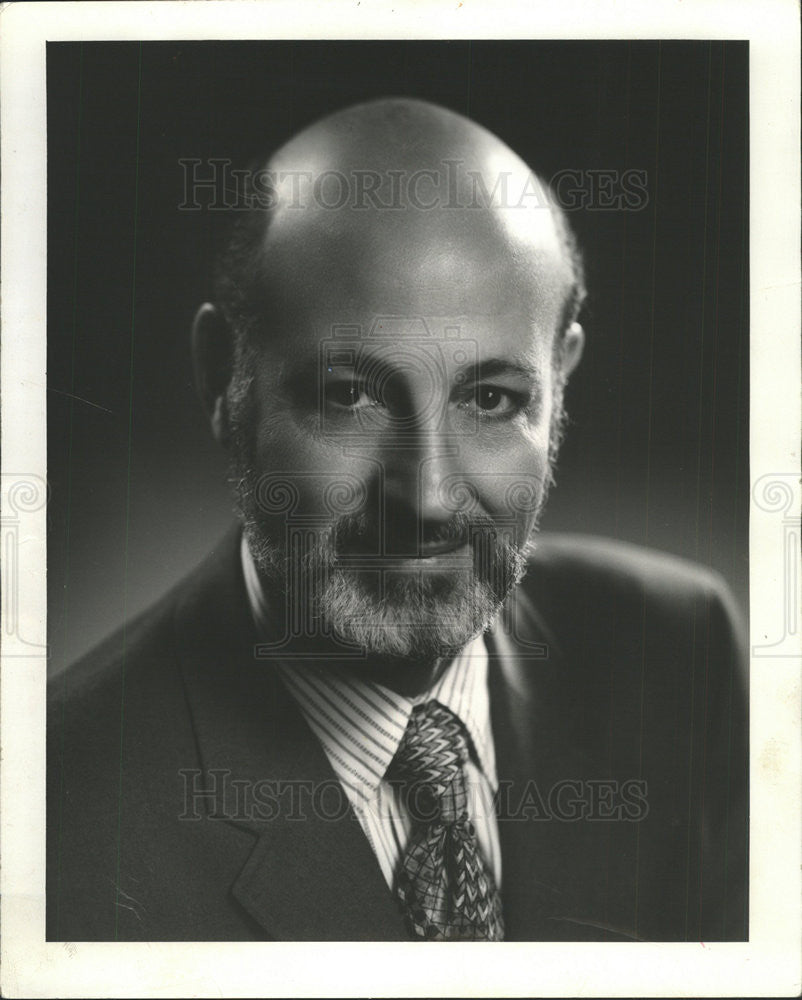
350	395
492	400
488	397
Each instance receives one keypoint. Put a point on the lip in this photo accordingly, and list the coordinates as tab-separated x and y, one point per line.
432	549
445	552
433	555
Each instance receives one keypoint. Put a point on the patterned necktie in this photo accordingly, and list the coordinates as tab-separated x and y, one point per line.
445	889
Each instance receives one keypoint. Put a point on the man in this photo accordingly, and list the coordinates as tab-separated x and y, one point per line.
387	710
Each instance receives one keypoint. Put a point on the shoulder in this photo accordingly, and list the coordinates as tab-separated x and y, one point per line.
587	581
148	631
649	636
137	655
140	657
118	719
608	565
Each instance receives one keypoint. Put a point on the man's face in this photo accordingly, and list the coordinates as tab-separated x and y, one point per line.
396	424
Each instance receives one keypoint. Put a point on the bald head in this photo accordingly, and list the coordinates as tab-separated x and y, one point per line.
403	205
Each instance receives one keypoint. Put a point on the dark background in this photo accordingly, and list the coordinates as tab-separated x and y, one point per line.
657	453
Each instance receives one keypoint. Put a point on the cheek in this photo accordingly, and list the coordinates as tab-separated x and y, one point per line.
281	447
512	462
508	471
301	474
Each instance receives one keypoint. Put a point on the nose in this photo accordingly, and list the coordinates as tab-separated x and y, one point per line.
422	490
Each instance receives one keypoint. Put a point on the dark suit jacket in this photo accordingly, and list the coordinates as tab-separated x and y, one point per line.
618	704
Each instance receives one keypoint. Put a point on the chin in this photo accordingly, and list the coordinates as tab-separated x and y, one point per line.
414	618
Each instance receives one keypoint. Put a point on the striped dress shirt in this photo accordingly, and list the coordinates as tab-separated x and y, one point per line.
360	725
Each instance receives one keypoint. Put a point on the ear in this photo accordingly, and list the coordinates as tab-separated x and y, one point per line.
572	347
212	363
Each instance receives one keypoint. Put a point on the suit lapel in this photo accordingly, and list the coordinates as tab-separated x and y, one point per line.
519	656
311	874
553	871
526	662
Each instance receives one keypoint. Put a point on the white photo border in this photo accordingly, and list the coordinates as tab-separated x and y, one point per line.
769	964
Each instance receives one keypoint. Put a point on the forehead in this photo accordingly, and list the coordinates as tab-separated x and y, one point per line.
435	278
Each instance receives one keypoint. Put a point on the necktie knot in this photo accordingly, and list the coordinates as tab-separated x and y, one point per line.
429	763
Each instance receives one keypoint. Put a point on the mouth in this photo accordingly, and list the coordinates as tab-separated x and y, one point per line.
430	550
439	555
454	554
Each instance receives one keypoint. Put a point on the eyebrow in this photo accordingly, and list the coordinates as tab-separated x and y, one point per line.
476	371
521	366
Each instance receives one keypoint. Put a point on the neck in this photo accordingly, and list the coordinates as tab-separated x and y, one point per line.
406	677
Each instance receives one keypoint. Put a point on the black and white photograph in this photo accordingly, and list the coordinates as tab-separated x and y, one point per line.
400	467
351	297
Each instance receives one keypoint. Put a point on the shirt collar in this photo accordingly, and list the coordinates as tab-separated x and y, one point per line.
361	723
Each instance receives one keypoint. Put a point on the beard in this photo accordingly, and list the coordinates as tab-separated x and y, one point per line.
372	602
335	582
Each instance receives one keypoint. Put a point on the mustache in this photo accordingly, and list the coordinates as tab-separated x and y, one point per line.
357	534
